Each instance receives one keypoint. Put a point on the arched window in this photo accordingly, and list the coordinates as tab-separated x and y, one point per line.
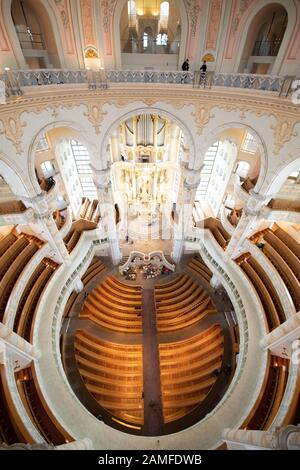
35	33
164	17
85	174
162	39
145	40
131	8
164	11
249	143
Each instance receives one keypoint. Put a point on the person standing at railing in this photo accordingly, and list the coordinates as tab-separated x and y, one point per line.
203	70
185	66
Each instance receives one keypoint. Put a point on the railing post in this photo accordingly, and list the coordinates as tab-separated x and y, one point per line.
12	82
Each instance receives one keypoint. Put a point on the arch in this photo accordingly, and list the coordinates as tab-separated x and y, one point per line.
46	10
247	23
34	142
117	39
281	175
213	137
123	117
15	178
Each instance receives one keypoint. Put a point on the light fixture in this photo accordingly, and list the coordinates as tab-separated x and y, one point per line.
6	69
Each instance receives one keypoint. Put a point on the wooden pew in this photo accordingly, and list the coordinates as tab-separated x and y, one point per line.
38	409
263	293
113	374
289	241
6	242
12	274
266	408
188	371
8	432
11	254
24	320
285	273
181	307
284	251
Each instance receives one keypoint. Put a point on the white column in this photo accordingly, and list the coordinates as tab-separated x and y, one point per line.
183	212
247	223
287	438
21	351
45	226
102	179
284	341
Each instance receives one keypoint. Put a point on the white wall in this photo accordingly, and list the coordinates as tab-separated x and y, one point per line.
220	176
157	61
68	171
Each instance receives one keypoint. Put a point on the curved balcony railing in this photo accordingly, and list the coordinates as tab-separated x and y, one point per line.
16	80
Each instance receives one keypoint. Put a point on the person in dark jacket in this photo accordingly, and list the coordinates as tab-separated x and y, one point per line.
203	68
185	66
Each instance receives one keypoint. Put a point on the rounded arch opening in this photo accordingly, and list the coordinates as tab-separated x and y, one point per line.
233	154
264	37
168	39
60	155
36	34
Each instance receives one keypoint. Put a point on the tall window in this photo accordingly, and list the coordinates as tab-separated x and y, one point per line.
145	40
164	11
131	8
164	16
249	143
206	171
82	160
42	144
162	39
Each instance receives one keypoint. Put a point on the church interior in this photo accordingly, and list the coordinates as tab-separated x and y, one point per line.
149	224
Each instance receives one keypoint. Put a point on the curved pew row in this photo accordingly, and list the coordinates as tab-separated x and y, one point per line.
198	267
218	231
113	374
16	252
181	304
284	252
9	433
271	396
264	287
189	369
38	410
30	297
115	305
95	268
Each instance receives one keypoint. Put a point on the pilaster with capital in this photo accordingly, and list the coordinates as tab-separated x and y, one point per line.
247	224
21	351
44	224
189	184
103	183
284	341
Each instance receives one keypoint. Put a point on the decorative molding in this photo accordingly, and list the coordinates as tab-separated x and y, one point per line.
283	131
193	9
13	129
243	5
202	116
88	22
107	7
63	13
95	116
149	101
213	26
